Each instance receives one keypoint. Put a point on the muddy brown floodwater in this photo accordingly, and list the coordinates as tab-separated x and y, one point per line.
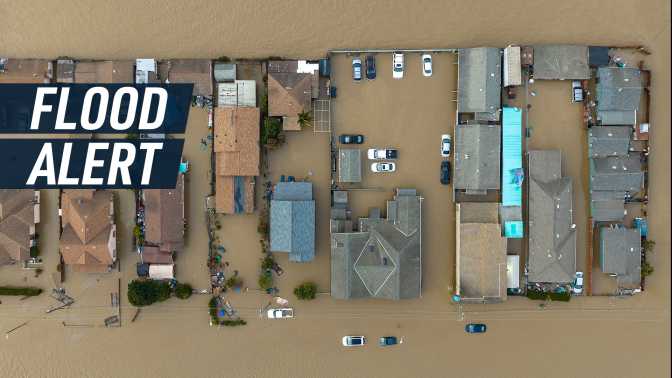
587	336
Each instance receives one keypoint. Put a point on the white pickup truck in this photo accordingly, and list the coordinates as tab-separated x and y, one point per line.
381	154
279	313
577	92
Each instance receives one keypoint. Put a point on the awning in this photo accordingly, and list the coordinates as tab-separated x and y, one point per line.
161	271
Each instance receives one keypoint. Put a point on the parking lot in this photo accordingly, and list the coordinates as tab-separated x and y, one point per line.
410	115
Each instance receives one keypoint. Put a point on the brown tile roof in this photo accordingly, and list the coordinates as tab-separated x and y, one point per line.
164	214
106	72
153	255
225	194
17	216
26	71
196	71
288	93
237	141
87	237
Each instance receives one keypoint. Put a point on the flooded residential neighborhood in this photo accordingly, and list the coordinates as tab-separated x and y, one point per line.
471	194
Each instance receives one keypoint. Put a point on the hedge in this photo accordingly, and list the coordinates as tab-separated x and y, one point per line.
22	292
231	323
213	311
560	297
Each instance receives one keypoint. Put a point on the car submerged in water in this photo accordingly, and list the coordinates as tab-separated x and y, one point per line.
370	68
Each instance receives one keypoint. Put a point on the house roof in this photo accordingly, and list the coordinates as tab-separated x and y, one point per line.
154	255
552	237
25	71
477	150
620	253
161	271
616	173
17	216
479	80
481	253
293	229
609	141
288	93
383	259
598	56
561	62
349	165
164	216
237	141
620	88
617	117
106	72
225	72
293	191
192	71
234	194
87	238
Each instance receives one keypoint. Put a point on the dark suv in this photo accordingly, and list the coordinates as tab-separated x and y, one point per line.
370	68
445	172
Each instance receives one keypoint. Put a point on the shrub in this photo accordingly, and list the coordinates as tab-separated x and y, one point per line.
40	260
264	103
648	245
20	291
38	271
231	323
213	311
561	297
305	292
273	144
270	129
230	282
218	226
183	291
224	58
264	283
273	57
132	136
267	263
146	293
647	269
263	229
265	80
58	268
34	252
139	237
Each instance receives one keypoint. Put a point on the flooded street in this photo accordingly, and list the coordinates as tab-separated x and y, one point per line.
173	338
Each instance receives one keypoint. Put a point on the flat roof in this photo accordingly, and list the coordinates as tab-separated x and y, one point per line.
561	62
479	80
477	156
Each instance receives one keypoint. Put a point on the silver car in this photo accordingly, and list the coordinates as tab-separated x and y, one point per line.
357	70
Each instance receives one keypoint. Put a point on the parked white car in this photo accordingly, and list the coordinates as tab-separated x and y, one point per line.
445	145
427	65
381	154
354	340
280	313
382	167
577	92
398	64
578	285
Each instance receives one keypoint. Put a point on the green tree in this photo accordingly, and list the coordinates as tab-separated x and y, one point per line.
38	271
647	269
305	118
230	282
273	144
224	58
270	129
183	291
264	283
305	292
141	293
132	136
648	245
161	291
267	263
34	252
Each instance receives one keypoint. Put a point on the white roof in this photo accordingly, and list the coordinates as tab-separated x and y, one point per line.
304	67
512	271
161	271
145	65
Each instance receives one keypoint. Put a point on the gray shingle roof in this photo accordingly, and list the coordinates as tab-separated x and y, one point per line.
552	238
607	205
620	253
477	151
616	173
609	141
479	80
561	62
620	88
382	260
293	229
225	72
598	56
349	165
293	191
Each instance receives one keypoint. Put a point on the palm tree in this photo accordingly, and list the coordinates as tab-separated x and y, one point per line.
305	118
